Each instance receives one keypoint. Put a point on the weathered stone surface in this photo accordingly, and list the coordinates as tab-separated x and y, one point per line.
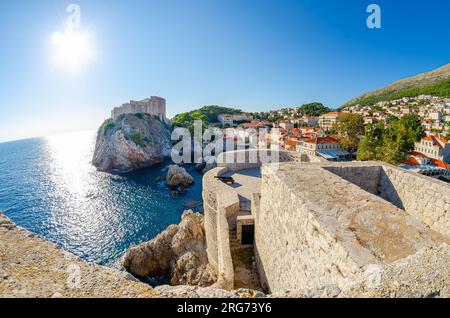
178	177
179	251
209	166
424	274
326	291
327	224
33	267
131	142
184	291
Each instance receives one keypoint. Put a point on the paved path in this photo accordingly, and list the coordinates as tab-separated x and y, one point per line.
247	182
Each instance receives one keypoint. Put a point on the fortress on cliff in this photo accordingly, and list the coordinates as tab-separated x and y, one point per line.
153	105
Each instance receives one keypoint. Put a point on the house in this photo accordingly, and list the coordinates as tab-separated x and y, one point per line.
229	119
285	124
326	121
435	147
225	119
435	115
326	147
422	164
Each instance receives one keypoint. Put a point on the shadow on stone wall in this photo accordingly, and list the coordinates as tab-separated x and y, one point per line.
387	190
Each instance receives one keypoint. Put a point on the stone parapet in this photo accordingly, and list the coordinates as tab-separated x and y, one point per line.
320	224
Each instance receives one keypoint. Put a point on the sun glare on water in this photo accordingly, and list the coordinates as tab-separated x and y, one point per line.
72	49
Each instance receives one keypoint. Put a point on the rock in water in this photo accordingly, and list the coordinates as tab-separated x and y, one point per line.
178	176
132	142
179	251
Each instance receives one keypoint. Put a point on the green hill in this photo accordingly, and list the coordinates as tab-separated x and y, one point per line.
208	114
436	82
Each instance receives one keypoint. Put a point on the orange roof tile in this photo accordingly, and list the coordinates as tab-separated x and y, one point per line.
411	161
440	163
322	140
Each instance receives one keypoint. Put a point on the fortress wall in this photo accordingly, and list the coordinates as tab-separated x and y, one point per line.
154	106
426	198
292	249
365	177
254	158
314	228
221	206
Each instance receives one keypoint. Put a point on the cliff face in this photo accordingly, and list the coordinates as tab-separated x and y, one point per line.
180	251
131	142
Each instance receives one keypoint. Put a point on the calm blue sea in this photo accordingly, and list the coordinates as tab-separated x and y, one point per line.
48	186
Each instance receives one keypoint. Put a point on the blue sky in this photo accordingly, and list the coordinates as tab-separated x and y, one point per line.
252	54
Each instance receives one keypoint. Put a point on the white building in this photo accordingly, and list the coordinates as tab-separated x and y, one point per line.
434	147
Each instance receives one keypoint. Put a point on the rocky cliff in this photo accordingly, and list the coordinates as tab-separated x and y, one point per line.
179	251
131	142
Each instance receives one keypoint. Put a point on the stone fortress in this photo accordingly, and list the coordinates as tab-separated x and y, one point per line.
358	228
153	105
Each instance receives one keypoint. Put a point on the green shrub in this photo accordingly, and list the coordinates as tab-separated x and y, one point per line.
107	125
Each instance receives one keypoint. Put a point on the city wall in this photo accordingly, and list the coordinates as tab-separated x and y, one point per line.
322	224
154	106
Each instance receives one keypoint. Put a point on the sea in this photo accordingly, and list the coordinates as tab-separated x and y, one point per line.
49	186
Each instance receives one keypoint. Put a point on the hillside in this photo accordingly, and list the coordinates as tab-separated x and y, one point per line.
207	114
436	82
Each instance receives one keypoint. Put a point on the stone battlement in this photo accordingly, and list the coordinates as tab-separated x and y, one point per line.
319	224
367	228
153	105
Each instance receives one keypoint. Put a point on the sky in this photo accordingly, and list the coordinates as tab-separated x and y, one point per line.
255	55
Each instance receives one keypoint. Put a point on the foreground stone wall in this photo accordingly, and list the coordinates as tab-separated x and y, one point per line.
221	203
221	206
314	228
366	177
254	158
426	198
33	267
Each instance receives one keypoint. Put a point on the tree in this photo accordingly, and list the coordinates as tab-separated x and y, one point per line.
313	109
370	147
390	143
349	129
186	120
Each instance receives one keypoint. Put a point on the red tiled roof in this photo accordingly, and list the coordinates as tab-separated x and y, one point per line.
440	164
416	154
292	142
411	161
322	140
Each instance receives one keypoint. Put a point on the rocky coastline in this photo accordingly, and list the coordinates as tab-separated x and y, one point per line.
178	252
131	142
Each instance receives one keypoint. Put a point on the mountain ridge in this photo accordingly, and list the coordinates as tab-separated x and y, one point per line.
436	82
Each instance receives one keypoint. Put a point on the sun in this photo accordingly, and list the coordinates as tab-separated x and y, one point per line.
72	49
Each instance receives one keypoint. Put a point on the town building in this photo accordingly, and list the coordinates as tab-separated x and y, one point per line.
435	147
326	121
230	119
325	147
